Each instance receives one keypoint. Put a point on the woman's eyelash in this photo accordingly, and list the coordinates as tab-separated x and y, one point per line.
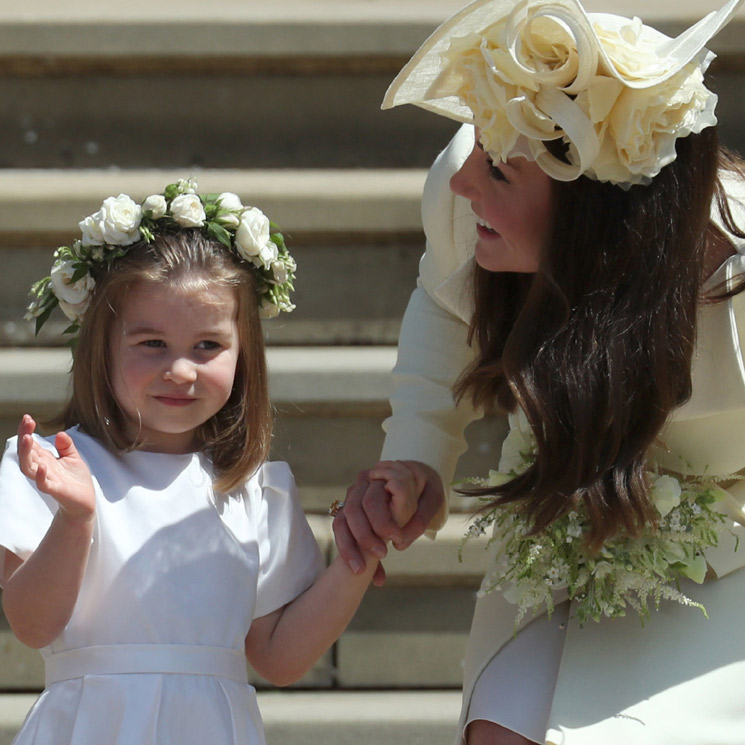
495	172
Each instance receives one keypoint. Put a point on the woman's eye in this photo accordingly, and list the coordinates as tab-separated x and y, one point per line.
496	172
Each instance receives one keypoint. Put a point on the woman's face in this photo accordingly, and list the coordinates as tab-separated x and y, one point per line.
512	205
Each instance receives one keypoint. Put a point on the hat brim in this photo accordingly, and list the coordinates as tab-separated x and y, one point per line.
413	82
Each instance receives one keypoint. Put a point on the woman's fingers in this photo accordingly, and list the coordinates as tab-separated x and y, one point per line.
352	531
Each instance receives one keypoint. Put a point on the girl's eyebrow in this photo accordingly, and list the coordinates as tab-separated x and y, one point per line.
138	330
145	330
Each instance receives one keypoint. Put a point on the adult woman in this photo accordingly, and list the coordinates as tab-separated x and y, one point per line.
601	268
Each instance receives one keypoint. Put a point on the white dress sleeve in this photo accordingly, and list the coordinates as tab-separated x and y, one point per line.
289	557
433	351
25	513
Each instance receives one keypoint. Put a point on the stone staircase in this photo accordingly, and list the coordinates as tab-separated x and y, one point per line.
277	101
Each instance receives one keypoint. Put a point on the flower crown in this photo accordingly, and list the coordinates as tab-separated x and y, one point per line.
615	92
120	223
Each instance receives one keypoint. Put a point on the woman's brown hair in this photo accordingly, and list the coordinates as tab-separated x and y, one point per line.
237	438
596	347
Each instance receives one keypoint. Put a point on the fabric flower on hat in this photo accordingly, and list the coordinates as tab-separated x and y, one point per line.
615	92
546	77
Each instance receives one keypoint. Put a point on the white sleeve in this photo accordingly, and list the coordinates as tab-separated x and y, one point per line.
425	424
289	557
433	351
25	513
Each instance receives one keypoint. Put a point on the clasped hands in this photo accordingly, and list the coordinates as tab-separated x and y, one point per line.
392	502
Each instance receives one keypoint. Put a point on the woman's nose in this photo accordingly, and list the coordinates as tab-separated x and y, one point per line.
180	370
463	182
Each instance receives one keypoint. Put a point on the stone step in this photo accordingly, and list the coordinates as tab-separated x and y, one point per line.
425	605
282	29
330	403
324	718
247	84
343	227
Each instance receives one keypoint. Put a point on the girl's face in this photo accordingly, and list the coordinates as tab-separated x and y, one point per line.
174	355
512	205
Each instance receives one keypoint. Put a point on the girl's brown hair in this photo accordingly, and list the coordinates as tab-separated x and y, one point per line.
237	438
596	347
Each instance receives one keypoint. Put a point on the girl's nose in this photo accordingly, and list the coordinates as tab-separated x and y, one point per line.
181	370
463	182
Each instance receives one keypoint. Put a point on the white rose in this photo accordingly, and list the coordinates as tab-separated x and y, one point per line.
117	223
155	206
187	211
74	297
232	202
267	255
252	235
91	229
665	494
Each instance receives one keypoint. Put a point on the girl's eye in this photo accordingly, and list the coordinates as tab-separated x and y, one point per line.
209	346
154	343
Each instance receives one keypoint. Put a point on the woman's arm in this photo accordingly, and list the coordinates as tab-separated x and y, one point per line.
39	594
426	427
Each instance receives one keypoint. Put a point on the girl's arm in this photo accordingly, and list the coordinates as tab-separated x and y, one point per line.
39	594
282	646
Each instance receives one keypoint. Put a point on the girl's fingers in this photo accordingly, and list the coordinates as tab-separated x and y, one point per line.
347	545
64	444
42	478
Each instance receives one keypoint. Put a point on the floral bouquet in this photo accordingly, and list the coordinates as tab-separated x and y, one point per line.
627	572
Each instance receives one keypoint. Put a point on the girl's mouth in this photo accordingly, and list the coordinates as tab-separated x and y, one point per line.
175	400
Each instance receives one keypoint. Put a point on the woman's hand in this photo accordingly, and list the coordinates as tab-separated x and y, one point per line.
378	497
66	478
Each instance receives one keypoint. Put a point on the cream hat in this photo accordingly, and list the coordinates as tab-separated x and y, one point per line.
617	92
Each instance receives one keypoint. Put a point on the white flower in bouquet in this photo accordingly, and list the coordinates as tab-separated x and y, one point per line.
626	572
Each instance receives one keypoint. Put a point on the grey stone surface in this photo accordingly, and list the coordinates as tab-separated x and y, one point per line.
323	201
407	637
230	28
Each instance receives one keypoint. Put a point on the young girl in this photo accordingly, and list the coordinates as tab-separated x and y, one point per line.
148	548
584	275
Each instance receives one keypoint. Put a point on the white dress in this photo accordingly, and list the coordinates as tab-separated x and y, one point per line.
679	679
154	651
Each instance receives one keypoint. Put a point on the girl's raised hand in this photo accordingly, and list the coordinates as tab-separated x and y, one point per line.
66	479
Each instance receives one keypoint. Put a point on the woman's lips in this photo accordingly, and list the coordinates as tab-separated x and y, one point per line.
483	228
485	231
